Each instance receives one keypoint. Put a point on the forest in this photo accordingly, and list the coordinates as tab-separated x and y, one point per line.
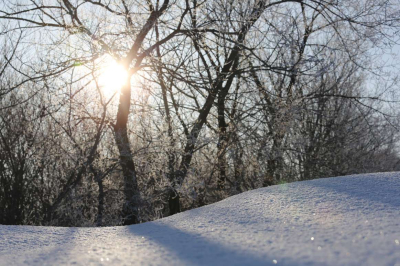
118	112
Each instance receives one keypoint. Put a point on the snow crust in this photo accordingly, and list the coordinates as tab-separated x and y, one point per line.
352	220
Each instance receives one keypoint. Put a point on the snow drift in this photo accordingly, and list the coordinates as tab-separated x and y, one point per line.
352	220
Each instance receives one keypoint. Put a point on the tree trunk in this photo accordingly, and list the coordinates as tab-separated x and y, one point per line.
131	189
100	197
222	143
174	202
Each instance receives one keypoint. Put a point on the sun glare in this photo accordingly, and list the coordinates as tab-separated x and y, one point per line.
112	77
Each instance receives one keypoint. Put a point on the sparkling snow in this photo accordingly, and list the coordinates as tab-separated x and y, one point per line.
352	220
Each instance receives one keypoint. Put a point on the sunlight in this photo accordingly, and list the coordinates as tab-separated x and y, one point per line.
112	77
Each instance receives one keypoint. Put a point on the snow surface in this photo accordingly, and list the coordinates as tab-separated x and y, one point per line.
352	220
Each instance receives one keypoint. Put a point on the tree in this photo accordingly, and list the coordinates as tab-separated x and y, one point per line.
233	95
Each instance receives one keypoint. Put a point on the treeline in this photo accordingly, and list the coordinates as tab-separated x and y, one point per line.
220	97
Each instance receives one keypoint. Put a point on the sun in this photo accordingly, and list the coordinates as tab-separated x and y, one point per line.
112	76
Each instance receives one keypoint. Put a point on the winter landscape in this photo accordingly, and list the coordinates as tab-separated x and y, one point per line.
200	132
352	220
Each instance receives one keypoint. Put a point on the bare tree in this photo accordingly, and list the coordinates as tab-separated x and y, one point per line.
219	97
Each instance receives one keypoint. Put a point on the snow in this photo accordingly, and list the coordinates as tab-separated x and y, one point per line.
352	220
